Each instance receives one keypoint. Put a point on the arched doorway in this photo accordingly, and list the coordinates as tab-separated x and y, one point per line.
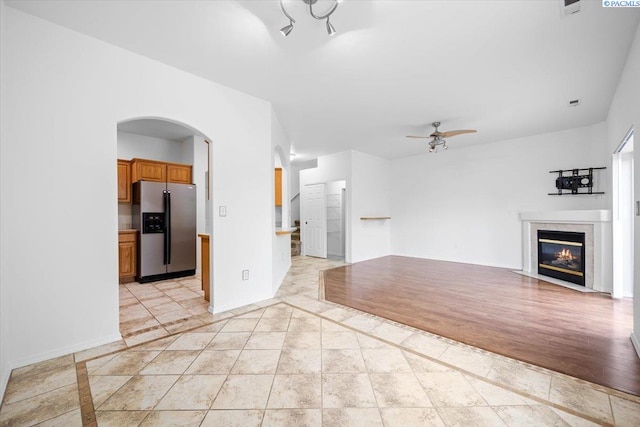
156	150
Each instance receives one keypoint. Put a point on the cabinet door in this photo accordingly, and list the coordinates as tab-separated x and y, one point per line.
148	170
179	174
127	254
127	263
278	182
124	181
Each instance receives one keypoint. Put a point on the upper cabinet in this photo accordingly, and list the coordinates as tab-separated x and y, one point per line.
148	170
124	181
177	173
278	182
152	170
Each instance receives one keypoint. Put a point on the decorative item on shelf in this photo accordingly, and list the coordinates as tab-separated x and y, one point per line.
580	181
286	30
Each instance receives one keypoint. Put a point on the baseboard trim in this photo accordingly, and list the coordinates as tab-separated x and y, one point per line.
6	373
219	309
66	350
636	343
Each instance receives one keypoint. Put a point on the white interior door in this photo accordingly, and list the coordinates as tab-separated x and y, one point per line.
315	221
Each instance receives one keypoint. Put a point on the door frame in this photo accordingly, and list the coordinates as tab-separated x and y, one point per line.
622	228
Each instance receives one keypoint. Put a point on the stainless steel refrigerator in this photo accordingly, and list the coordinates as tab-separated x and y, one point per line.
165	216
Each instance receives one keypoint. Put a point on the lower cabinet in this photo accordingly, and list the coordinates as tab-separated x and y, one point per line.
127	263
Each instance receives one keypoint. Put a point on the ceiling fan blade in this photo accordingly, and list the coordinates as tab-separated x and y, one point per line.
415	136
457	132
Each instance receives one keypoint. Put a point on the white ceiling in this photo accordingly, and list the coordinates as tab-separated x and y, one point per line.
505	68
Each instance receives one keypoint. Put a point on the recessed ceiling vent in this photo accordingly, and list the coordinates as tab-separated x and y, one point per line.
569	7
574	103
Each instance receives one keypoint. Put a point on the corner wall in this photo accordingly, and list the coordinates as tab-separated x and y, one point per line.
371	197
281	244
5	365
625	112
367	194
464	205
62	96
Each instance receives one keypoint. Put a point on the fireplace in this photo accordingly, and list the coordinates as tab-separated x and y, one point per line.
561	255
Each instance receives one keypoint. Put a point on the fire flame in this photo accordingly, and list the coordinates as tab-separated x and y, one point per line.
565	255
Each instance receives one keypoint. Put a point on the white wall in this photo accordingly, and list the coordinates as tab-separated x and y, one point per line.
62	95
281	244
131	146
371	196
5	365
625	112
464	205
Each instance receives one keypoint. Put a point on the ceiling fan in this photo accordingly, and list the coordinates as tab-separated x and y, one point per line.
437	137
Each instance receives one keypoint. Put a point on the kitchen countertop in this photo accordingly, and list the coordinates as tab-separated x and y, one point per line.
284	231
128	230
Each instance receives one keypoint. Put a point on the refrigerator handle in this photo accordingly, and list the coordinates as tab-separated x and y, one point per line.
165	243
168	227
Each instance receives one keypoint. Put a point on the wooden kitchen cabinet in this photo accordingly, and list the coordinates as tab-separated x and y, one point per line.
278	182
153	170
124	181
177	173
148	170
127	263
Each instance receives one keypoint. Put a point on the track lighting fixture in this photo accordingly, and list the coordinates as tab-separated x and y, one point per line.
286	30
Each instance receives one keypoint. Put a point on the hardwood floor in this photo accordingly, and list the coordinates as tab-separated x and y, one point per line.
585	335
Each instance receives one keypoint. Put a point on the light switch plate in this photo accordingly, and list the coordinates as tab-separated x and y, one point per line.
245	274
222	211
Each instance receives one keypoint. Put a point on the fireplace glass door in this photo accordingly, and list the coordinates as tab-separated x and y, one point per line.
561	255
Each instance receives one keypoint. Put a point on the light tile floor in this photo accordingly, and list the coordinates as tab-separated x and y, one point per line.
158	309
297	360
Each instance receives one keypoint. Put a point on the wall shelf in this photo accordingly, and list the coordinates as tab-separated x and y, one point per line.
370	218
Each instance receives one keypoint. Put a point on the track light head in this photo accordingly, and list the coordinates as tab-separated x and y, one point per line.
330	29
287	29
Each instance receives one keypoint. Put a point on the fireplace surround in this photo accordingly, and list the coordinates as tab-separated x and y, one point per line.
595	224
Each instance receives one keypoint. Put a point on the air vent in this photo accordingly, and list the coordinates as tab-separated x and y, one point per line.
569	7
574	103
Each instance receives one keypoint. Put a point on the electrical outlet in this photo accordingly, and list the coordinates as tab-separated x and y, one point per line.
245	274
222	211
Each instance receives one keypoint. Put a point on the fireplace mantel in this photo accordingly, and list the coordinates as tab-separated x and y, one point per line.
596	224
569	217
